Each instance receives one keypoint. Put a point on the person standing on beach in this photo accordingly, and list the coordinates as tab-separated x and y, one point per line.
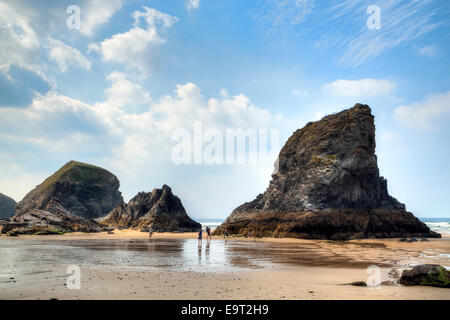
200	238
208	233
250	234
225	233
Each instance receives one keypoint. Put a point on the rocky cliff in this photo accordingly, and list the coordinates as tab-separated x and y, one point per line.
328	186
158	210
7	207
68	200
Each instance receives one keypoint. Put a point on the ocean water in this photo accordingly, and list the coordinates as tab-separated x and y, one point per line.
439	225
212	223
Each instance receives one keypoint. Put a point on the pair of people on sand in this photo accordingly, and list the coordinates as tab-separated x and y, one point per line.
200	234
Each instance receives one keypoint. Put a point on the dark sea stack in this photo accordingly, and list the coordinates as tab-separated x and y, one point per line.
159	210
328	186
69	200
7	206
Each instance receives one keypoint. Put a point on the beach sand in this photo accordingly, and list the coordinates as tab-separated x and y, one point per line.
321	275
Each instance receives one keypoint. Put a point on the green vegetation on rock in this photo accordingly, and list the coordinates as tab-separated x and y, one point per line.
76	172
426	275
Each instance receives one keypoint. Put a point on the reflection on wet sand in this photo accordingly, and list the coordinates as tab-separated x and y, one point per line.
189	255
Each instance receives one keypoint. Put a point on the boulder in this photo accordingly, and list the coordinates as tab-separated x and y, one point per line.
426	275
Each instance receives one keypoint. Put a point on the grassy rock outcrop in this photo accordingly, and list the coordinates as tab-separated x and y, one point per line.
68	200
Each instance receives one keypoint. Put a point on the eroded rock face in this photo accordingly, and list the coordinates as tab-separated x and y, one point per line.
69	200
328	186
158	210
7	206
45	222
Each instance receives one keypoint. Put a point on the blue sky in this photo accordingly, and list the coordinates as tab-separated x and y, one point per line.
112	92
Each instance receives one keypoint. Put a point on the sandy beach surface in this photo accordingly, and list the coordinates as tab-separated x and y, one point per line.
129	265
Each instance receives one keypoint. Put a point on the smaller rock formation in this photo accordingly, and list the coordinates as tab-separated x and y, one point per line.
426	275
159	210
7	206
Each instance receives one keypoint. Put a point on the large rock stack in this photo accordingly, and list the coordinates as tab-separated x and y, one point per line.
328	186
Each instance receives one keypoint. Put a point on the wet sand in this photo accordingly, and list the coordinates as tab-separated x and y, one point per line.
128	265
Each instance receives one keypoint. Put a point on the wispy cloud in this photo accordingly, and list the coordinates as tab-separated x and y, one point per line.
401	23
343	24
363	87
280	14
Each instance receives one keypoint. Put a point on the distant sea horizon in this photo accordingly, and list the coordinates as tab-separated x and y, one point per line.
438	224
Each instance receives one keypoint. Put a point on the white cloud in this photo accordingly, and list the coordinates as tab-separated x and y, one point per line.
50	116
428	51
192	4
25	27
66	56
138	47
57	124
126	94
135	146
96	13
360	88
19	43
431	113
